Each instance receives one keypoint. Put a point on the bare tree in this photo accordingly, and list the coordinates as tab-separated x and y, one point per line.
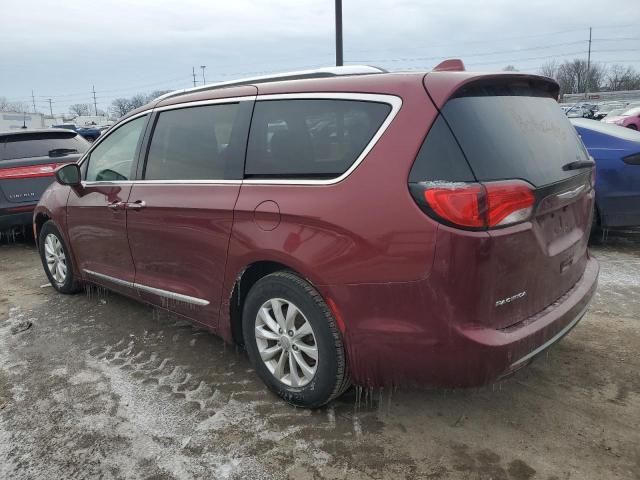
509	68
620	77
80	109
9	106
137	101
574	76
121	106
549	69
157	93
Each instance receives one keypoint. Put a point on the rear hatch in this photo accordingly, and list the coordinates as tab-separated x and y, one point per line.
28	161
505	161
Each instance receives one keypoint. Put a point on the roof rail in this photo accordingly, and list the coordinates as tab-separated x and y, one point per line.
296	75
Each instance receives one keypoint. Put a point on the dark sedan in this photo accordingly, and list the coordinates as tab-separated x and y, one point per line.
28	159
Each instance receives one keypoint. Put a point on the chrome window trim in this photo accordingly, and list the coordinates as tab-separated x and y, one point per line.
163	182
199	103
157	291
394	101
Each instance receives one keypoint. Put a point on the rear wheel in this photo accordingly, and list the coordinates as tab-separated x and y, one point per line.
56	259
293	342
632	127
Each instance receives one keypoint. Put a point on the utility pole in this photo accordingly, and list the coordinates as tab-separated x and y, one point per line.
586	84
50	107
203	80
95	104
33	99
193	72
339	62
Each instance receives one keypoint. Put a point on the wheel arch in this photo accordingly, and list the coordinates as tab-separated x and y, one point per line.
39	220
246	278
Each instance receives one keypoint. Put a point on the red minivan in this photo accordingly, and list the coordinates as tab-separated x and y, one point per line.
343	225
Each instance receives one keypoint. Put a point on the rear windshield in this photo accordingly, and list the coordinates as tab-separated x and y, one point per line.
510	137
41	144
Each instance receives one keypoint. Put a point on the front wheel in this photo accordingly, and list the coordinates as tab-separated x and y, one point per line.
56	259
293	342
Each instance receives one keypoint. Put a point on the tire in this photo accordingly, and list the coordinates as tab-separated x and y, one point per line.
287	292
632	126
52	246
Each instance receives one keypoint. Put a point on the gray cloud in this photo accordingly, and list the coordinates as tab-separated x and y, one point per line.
60	49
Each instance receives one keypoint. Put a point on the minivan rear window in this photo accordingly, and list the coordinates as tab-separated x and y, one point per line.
42	144
515	137
317	138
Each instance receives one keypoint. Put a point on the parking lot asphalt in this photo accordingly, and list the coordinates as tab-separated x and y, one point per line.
100	386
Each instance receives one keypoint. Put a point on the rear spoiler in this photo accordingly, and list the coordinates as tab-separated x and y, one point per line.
448	81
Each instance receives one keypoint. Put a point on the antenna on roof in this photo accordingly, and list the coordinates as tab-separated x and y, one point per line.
450	65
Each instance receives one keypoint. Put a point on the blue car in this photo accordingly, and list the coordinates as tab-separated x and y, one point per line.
616	151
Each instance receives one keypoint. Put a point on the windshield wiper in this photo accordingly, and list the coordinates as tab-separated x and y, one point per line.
578	164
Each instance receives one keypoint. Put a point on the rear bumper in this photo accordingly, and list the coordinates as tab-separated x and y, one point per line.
414	343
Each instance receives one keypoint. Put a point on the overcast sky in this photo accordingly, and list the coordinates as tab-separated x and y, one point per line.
59	49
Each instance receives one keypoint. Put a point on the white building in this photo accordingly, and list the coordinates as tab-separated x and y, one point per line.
17	120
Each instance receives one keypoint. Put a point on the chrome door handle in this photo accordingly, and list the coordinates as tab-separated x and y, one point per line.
116	205
137	205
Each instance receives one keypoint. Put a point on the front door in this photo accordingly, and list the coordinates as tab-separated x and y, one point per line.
96	211
181	211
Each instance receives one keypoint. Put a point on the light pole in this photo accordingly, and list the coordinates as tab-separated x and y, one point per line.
203	79
339	33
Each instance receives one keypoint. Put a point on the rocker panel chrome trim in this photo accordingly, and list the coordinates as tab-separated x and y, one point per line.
156	291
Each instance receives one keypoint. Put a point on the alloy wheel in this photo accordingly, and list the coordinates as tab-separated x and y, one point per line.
55	257
286	342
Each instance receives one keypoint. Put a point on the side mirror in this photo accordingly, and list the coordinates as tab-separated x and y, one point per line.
69	175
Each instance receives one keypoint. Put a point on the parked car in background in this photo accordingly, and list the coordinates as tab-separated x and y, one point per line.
616	152
581	110
89	133
345	224
603	109
628	117
28	159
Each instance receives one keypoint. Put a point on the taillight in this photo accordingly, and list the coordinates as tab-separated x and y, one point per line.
29	171
476	205
460	204
509	202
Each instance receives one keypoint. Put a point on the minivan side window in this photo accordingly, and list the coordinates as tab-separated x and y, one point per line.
112	159
310	138
194	143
